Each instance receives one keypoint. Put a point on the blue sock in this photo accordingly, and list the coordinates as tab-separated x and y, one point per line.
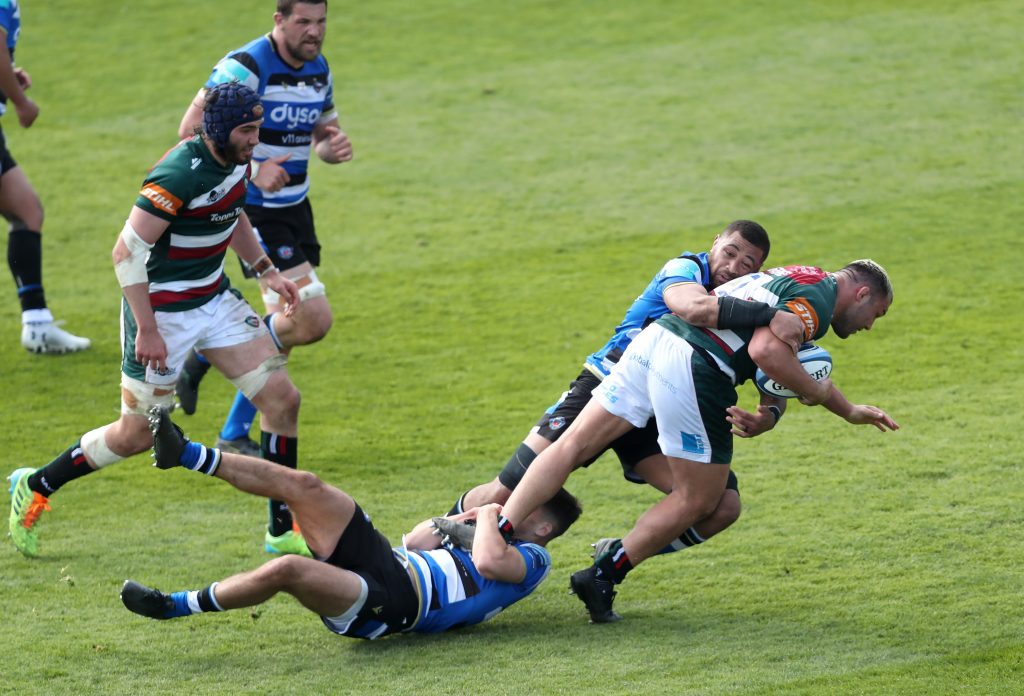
198	457
188	602
239	419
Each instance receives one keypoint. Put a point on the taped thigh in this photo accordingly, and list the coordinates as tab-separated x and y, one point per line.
253	381
137	397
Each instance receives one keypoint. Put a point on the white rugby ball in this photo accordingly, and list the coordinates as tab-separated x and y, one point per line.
816	362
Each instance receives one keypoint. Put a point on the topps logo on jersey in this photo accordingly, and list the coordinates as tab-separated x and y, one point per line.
294	116
816	361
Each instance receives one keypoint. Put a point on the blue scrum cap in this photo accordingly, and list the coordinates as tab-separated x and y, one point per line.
229	105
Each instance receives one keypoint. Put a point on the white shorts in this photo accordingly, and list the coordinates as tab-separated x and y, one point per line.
226	320
658	375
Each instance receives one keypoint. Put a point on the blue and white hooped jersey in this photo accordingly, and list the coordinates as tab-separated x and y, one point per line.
10	21
650	306
455	594
294	102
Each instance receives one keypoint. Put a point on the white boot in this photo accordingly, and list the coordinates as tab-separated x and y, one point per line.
48	337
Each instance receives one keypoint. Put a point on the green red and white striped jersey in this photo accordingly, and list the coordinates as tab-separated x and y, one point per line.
202	199
806	291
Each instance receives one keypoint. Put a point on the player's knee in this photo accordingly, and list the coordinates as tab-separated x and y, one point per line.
284	572
315	324
729	508
306	484
697	504
279	400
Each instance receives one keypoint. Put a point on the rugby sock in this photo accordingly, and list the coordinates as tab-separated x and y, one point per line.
505	527
269	321
239	420
614	563
198	457
457	508
194	602
200	360
687	539
280	450
25	259
68	466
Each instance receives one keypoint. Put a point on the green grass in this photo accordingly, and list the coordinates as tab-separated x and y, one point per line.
521	170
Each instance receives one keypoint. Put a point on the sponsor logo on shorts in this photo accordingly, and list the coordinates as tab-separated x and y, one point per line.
693	443
645	363
252	321
164	371
161	198
557	423
285	252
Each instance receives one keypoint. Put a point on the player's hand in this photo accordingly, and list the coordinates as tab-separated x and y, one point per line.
863	414
150	349
820	395
747	424
24	81
284	287
788	328
27	112
271	176
337	146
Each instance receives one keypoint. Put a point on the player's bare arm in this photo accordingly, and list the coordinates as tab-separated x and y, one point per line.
248	248
778	361
331	144
492	556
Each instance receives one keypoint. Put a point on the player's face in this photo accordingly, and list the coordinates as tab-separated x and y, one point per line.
732	256
860	315
242	142
303	31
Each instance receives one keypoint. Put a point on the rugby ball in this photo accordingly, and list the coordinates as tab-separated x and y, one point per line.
816	362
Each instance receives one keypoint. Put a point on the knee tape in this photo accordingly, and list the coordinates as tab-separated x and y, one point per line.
94	444
308	290
137	397
253	381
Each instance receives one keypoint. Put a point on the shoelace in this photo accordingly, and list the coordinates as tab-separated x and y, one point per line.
38	506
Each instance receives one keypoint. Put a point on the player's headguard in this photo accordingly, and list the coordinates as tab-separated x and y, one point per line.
228	105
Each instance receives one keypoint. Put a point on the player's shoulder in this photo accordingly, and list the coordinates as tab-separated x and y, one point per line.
536	555
686	266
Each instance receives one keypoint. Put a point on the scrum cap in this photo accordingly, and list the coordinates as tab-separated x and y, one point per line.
229	105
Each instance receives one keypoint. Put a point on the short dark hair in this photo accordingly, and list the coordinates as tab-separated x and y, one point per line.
563	510
871	273
285	7
753	233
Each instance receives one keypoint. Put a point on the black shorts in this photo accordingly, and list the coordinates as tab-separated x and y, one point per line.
288	234
632	448
392	601
7	162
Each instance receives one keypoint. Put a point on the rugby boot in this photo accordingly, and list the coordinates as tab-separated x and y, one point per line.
455	533
289	542
168	439
46	337
242	445
597	595
26	507
146	601
187	386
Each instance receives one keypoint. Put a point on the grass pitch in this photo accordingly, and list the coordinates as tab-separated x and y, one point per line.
521	170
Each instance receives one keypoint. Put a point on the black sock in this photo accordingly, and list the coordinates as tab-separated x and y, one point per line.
68	466
614	563
457	508
25	259
280	450
505	527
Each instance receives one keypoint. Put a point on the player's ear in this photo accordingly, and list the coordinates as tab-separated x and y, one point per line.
545	529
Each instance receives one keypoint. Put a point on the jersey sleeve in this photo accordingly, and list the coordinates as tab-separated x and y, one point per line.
538	563
165	191
676	271
240	67
7	23
329	112
813	307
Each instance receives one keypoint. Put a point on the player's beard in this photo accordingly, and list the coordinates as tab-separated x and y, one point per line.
303	52
237	154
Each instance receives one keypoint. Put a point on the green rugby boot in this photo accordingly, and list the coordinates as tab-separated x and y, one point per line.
26	507
289	542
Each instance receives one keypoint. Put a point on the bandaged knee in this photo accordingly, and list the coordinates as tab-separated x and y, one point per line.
253	381
131	270
94	444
